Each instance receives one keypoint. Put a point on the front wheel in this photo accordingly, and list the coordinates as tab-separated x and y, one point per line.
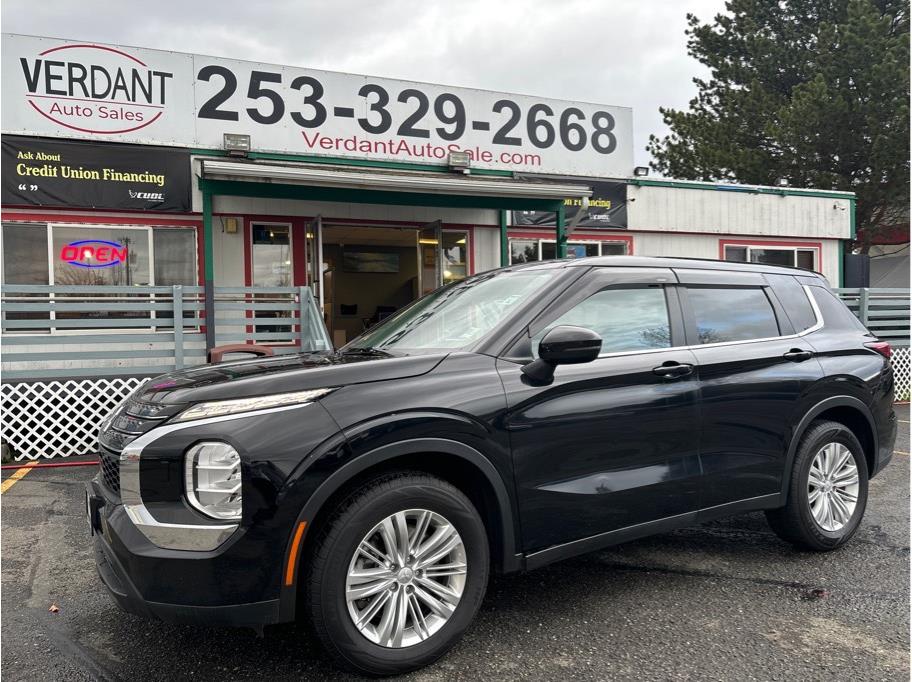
828	490
398	573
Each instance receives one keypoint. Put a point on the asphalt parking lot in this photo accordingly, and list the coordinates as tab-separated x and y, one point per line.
724	601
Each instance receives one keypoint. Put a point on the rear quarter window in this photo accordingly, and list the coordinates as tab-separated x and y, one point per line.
835	313
794	299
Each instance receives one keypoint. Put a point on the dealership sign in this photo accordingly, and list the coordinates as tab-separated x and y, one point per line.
59	88
75	173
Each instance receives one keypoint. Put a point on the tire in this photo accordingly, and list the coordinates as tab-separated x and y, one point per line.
418	498
796	522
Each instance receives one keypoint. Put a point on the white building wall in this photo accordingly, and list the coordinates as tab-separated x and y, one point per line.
486	248
680	209
707	246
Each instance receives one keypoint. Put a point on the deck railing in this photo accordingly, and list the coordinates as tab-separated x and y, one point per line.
88	331
884	311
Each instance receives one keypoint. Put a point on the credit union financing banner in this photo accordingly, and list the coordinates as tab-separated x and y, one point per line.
81	174
66	88
607	208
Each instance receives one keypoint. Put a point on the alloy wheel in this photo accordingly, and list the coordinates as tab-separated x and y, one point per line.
833	486
406	578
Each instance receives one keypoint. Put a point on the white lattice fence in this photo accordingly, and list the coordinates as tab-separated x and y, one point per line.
901	364
59	418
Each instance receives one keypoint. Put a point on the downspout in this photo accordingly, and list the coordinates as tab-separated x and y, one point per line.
208	262
504	243
560	235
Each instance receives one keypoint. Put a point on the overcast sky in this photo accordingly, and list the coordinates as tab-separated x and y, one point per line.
621	52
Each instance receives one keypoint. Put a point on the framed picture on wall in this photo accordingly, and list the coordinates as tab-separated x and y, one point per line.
370	261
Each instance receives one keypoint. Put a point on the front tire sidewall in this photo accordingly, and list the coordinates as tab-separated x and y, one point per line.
825	538
350	644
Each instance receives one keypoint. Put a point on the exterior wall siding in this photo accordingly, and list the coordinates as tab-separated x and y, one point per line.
707	246
668	209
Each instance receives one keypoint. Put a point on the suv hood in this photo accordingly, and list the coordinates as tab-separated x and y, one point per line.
281	374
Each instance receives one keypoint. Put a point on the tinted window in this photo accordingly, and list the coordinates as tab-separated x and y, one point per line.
626	319
795	301
835	314
732	314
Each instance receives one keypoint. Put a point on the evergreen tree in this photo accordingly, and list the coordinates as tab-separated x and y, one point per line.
814	91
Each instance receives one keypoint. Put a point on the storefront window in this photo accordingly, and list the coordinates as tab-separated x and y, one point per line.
25	254
779	255
529	250
93	255
574	250
175	259
523	251
455	256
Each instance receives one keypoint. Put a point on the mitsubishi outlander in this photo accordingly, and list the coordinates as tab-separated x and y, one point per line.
513	419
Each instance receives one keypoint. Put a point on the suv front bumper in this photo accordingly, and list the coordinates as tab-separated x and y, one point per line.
113	535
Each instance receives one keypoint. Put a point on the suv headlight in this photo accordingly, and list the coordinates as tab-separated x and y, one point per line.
219	408
212	479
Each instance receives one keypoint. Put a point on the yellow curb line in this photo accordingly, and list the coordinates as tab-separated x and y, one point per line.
898	452
17	474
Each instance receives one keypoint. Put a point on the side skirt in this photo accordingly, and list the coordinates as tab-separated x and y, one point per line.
615	537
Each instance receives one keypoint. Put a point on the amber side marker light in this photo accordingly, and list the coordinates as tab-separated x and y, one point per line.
881	347
293	554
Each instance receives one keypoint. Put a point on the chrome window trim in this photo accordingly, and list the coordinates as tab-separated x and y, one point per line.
818	316
183	536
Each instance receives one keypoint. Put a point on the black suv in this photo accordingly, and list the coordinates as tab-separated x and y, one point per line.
519	417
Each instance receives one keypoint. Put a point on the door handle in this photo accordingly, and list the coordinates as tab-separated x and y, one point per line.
798	355
673	370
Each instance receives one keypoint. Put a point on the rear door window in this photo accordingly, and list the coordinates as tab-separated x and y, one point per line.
732	314
794	299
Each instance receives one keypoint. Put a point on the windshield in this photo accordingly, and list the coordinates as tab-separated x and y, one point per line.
455	316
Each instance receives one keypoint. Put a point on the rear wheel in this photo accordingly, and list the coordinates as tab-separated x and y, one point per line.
828	490
398	573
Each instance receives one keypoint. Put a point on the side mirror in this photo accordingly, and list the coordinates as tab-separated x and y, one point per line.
564	345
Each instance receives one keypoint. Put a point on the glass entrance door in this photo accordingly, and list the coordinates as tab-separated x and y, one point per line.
271	261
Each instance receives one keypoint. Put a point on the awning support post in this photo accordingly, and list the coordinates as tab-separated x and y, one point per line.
560	235
208	263
504	243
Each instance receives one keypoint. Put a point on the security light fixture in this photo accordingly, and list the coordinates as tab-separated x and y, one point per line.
641	171
236	144
460	161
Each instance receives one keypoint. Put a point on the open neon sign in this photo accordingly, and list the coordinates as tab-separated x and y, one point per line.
94	253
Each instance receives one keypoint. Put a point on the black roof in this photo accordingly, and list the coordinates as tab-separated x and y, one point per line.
672	262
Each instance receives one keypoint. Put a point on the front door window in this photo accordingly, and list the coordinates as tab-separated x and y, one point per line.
272	267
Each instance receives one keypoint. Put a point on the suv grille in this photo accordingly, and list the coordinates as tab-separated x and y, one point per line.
132	420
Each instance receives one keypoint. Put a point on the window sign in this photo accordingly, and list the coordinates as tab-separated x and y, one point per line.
94	253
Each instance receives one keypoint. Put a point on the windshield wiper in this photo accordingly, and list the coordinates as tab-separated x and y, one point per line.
367	350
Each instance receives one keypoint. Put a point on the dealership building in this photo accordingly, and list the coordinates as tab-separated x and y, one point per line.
292	208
